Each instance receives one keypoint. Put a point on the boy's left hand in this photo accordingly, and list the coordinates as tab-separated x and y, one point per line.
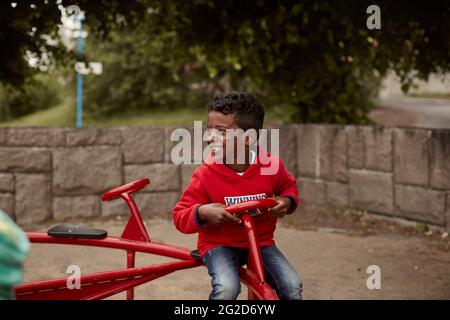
282	208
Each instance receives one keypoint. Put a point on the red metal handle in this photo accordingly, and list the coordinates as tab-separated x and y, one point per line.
252	204
126	188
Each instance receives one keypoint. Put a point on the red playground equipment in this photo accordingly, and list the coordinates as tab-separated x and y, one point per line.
135	239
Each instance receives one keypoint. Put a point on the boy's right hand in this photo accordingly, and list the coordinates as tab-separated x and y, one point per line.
215	213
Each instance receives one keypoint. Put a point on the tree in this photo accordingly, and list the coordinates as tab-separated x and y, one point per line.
314	59
316	56
26	26
140	72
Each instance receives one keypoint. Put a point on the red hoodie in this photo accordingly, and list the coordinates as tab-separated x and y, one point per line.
216	183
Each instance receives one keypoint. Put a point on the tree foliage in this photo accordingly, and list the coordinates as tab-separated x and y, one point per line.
315	60
40	92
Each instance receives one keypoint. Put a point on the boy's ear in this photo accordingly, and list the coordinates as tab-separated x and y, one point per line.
251	137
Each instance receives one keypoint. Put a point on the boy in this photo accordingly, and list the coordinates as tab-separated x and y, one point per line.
223	180
14	248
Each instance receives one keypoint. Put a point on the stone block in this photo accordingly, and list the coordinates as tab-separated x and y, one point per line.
447	213
25	159
411	151
94	136
288	147
89	170
417	203
157	203
115	207
33	198
337	194
333	153
7	203
311	192
379	149
163	176
356	136
440	159
66	208
3	136
308	150
35	137
371	191
6	182
143	144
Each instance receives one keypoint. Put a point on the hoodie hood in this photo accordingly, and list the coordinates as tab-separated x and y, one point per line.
263	159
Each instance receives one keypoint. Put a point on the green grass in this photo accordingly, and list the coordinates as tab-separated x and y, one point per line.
180	117
63	115
60	115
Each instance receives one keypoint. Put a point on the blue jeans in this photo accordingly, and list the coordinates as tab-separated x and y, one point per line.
223	266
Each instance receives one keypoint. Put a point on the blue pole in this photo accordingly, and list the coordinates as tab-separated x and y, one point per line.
80	50
79	101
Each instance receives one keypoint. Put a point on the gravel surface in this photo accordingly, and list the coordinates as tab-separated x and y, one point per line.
332	265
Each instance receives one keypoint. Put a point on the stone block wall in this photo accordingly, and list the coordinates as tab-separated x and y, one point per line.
395	172
60	173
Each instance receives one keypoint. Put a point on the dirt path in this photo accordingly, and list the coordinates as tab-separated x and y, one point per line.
332	266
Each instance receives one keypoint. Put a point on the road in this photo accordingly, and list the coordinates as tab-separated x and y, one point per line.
426	113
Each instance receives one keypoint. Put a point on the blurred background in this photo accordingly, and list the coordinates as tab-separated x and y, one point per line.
158	62
368	75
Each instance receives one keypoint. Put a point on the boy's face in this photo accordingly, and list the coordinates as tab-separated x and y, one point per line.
218	138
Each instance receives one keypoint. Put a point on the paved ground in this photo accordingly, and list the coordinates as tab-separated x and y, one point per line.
331	265
417	112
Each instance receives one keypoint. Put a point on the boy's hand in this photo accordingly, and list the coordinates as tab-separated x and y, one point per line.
282	208
215	213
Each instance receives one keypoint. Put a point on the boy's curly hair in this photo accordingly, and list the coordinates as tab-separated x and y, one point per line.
248	111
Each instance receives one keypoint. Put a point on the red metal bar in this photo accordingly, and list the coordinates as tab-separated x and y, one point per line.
135	239
251	295
252	204
124	286
131	187
254	264
253	276
90	291
130	264
135	228
93	283
117	243
63	293
256	289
